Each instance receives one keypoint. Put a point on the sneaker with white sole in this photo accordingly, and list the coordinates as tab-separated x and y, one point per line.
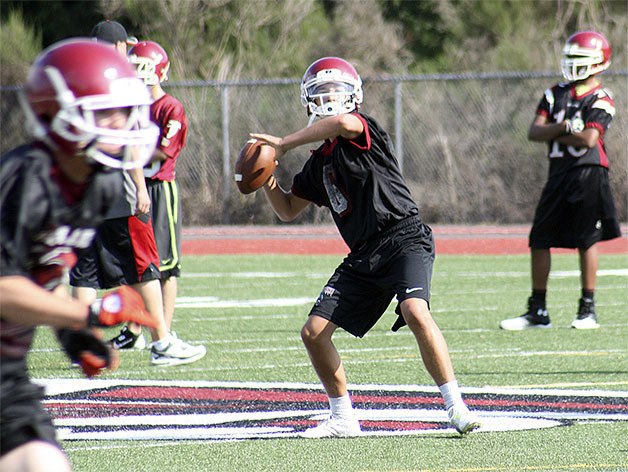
586	317
127	339
333	427
462	419
535	317
176	353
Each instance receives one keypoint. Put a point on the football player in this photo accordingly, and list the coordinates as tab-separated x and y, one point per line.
88	114
576	208
152	65
125	253
355	174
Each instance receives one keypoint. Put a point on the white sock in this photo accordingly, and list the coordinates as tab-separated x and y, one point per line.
451	394
162	343
341	406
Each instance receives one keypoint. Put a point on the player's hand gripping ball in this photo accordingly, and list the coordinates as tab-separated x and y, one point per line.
254	166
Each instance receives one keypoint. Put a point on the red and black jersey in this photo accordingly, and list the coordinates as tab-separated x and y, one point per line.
595	108
169	114
360	181
45	217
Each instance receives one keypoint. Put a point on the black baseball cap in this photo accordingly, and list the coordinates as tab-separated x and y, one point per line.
112	32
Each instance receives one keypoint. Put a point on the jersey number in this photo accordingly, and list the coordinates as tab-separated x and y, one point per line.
556	152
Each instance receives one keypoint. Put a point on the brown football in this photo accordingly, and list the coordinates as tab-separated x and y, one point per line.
254	166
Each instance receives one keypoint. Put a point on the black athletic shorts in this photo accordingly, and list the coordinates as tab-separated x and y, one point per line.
166	214
123	253
576	210
22	416
397	263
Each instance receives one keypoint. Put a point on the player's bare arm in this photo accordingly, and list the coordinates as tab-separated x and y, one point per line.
346	125
24	302
160	156
542	130
143	199
286	205
586	138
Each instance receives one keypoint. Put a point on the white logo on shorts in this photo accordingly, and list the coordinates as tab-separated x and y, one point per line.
413	289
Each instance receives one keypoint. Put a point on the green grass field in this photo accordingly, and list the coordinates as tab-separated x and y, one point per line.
249	341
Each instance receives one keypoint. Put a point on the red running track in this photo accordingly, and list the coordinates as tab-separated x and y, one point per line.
288	239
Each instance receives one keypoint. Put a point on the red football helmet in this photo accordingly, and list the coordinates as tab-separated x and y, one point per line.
330	86
585	54
69	83
151	62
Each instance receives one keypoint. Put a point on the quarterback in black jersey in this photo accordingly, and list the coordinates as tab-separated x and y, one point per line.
576	209
88	113
355	174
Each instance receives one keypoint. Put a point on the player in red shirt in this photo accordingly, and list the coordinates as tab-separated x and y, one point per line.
125	253
153	64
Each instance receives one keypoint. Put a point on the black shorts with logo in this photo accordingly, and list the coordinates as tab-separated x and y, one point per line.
166	215
22	415
123	253
576	210
397	263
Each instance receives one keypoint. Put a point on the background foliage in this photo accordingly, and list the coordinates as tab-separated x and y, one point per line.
236	66
234	39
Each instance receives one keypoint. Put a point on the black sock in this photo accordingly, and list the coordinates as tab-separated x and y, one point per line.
588	294
539	296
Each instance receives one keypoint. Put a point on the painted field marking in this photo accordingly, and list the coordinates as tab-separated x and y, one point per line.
184	410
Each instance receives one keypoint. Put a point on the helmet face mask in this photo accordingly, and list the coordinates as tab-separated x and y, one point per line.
71	86
330	86
585	54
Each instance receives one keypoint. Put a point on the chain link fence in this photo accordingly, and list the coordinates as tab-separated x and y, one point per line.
461	139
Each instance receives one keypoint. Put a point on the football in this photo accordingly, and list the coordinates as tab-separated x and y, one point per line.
254	166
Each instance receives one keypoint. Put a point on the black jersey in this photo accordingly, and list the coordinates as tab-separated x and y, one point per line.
360	181
595	108
44	218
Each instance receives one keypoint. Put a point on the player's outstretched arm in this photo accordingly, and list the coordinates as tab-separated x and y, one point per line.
24	302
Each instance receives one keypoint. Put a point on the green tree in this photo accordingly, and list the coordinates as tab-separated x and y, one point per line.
20	44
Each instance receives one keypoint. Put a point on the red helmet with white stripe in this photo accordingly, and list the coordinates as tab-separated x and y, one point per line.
585	54
69	84
330	86
151	61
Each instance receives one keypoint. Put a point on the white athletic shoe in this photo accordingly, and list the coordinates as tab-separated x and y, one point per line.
586	317
176	353
462	419
521	323
333	427
588	322
535	317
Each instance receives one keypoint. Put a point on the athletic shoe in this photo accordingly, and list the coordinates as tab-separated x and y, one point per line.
127	339
535	317
462	419
176	353
333	427
586	318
